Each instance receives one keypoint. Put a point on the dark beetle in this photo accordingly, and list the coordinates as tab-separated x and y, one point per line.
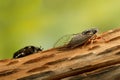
26	51
74	40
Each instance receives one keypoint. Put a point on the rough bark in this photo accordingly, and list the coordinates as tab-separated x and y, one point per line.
97	61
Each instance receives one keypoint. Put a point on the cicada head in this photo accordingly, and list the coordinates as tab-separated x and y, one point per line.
90	31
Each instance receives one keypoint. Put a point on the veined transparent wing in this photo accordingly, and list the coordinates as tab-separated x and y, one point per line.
63	40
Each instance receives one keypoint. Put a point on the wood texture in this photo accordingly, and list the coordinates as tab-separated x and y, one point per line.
97	61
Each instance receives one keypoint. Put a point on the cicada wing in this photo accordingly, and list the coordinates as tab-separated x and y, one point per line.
63	40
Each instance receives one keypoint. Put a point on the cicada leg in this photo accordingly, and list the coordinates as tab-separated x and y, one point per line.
91	41
96	38
100	37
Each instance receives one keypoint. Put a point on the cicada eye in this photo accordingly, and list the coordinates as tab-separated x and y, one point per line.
87	32
95	31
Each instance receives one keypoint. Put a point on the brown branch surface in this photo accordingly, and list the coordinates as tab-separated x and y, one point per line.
97	61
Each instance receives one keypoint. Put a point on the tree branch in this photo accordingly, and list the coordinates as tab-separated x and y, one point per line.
99	61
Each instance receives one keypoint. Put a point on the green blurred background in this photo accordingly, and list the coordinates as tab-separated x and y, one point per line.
42	22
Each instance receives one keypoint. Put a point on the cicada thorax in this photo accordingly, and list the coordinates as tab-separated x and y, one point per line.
78	40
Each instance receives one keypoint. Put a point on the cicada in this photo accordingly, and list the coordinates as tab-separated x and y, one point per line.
74	40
